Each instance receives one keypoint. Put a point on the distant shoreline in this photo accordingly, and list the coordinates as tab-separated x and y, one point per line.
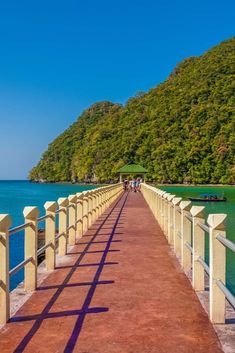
188	185
97	184
152	182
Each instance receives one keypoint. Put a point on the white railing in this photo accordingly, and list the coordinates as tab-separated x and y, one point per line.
74	215
185	228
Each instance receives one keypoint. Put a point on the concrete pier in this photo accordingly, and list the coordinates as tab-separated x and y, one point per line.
121	290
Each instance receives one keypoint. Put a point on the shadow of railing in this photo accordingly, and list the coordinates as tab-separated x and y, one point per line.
85	309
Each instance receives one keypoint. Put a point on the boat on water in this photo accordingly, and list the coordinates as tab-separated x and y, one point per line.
209	198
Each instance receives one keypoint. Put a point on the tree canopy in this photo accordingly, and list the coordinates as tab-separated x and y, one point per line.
183	130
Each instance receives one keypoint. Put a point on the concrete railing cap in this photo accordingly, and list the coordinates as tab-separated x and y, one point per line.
31	212
216	221
50	206
176	200
166	195
63	201
5	222
72	198
170	197
197	211
185	205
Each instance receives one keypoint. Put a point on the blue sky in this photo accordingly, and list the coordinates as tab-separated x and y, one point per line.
58	57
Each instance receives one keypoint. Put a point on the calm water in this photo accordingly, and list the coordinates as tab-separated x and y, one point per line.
14	196
227	207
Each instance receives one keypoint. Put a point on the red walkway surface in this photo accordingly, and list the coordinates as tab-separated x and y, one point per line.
122	291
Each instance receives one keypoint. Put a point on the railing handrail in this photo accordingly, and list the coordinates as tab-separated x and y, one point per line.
229	296
20	266
204	265
189	246
190	218
226	242
203	227
43	218
19	228
43	248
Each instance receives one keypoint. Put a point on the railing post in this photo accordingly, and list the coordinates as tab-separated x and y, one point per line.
150	200
159	206
62	241
5	222
31	246
50	230
198	273
104	200
165	212
217	267
109	196
186	256
145	193
85	211
161	209
79	215
100	202
72	219
95	203
90	205
177	225
154	203
170	233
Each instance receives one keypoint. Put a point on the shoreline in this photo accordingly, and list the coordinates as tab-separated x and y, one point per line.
204	185
108	183
151	182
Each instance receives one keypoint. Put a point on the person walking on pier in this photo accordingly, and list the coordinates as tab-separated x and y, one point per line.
133	185
138	183
125	185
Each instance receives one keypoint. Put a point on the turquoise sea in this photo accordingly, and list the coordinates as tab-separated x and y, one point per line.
14	196
227	207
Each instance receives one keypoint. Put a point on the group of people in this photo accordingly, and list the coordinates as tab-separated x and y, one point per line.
133	185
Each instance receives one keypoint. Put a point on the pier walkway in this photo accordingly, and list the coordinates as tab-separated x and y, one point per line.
121	291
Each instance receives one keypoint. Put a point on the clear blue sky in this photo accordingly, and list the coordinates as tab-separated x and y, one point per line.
58	57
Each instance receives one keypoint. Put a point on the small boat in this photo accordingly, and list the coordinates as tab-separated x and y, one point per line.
209	198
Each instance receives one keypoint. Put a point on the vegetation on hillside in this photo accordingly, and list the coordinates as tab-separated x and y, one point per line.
181	131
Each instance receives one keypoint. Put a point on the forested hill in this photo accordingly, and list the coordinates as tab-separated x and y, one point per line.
183	130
